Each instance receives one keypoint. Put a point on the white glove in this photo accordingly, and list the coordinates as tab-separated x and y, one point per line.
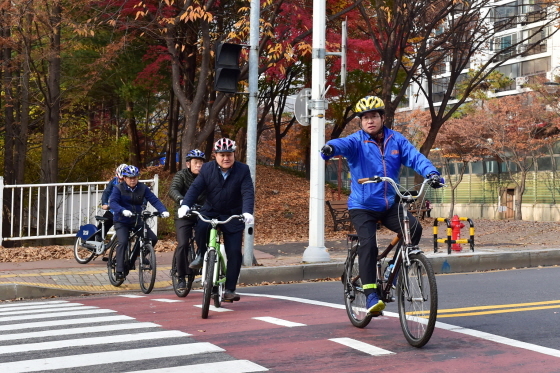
165	214
127	213
183	211
249	219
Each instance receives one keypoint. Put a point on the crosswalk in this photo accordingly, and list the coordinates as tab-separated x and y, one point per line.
62	336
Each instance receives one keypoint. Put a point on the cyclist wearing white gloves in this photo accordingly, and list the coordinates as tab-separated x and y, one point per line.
184	226
229	191
129	198
105	199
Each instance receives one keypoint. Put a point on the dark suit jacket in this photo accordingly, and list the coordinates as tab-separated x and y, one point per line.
232	196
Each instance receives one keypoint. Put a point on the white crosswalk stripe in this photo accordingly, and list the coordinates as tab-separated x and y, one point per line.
61	335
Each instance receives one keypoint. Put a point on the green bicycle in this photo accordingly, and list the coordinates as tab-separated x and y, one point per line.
215	264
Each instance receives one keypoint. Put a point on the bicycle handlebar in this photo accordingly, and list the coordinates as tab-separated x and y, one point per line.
147	214
216	221
379	179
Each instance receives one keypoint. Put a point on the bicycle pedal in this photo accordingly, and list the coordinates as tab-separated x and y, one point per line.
227	300
105	259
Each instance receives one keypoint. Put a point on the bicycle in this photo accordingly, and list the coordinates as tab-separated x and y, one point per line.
191	253
139	246
86	247
215	265
412	275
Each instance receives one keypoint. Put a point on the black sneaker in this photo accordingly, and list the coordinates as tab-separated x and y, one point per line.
197	262
119	276
181	283
230	296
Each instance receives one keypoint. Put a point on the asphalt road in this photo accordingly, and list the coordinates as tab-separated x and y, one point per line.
504	320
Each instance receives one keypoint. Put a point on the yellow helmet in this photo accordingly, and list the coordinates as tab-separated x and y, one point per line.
369	103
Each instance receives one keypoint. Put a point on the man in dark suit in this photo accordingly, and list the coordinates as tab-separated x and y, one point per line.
229	191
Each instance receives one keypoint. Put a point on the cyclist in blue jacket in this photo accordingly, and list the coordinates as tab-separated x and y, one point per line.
376	150
129	198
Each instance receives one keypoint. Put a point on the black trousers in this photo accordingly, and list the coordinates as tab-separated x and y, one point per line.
122	245
233	240
184	232
365	223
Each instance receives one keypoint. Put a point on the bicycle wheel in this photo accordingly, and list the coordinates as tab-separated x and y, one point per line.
112	266
82	254
147	268
417	295
354	297
219	291
175	280
208	285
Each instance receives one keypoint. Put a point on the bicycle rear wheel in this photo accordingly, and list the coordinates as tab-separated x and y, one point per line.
112	266
417	295
82	254
147	268
354	297
208	285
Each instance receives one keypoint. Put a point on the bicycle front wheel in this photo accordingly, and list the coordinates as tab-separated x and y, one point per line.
112	267
147	268
175	279
208	285
417	295
82	254
354	297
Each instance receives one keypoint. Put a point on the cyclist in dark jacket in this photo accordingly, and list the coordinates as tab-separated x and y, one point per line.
105	198
126	199
184	226
376	150
229	191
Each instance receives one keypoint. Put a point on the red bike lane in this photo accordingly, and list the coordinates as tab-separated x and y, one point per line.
315	337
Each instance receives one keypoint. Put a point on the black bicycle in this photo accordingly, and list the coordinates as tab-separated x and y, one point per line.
409	271
92	242
139	246
189	278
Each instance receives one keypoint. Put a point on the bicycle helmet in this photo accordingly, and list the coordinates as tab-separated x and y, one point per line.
369	103
224	145
119	170
195	153
131	171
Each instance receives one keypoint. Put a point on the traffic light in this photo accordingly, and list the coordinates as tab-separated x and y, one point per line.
227	67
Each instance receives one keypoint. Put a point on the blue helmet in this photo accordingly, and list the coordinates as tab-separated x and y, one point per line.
130	171
195	153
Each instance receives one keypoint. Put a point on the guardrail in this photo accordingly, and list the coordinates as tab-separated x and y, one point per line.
41	211
448	239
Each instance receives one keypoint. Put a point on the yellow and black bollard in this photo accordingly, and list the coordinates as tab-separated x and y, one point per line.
448	240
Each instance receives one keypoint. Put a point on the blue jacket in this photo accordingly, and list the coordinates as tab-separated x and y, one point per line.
366	159
108	190
124	198
232	196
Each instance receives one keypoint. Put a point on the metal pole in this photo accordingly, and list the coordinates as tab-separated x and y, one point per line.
254	17
316	251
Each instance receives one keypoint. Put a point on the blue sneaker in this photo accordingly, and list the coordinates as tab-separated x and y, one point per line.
374	305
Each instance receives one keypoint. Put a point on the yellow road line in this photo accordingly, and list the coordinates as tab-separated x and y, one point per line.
93	288
495	309
499	311
63	273
498	306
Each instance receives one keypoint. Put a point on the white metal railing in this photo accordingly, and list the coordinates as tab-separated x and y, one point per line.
40	211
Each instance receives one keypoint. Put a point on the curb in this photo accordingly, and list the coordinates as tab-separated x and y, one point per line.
441	262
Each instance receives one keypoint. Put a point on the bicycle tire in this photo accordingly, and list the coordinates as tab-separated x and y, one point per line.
354	297
147	268
208	285
218	293
175	280
191	254
416	290
112	267
82	254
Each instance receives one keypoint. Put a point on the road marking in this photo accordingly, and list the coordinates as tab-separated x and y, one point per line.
45	324
361	346
132	296
232	366
212	308
46	310
119	338
108	357
89	329
54	314
16	305
453	328
274	320
168	300
30	306
503	308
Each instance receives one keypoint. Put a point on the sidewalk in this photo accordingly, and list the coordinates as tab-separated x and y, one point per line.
277	263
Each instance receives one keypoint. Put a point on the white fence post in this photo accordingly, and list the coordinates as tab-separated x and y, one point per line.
1	206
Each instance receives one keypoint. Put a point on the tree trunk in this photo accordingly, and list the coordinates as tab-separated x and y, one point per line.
134	148
519	191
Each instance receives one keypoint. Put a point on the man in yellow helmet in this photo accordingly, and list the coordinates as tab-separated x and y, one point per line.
376	150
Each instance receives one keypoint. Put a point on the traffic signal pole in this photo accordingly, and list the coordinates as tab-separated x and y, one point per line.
254	17
316	251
